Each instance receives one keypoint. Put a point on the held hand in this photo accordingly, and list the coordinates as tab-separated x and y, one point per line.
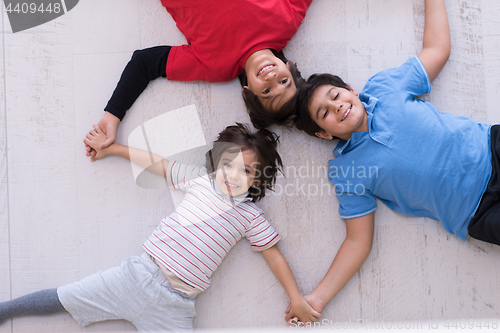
108	124
301	311
312	300
95	139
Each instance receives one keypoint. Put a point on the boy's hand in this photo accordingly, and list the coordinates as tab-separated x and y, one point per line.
313	301
301	311
108	125
96	139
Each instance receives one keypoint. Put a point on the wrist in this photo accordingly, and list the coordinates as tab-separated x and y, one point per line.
296	300
111	117
294	294
318	301
111	149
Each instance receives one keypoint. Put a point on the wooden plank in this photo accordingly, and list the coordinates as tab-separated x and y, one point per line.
41	155
4	201
39	113
491	52
5	273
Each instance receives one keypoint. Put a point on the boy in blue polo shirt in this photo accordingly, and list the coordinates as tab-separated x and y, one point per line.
401	150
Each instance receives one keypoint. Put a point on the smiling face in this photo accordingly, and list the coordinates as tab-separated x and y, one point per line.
270	79
236	172
338	111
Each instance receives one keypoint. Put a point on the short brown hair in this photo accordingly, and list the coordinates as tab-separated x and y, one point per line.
262	143
304	120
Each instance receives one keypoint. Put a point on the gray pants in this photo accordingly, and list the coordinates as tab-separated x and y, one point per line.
136	291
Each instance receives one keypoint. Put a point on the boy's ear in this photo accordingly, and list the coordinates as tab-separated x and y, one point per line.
288	65
323	135
353	91
245	87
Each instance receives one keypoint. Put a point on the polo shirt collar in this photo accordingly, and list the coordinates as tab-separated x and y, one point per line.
235	200
358	137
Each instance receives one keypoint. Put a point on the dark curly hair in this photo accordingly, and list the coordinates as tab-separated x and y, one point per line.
304	121
259	115
262	143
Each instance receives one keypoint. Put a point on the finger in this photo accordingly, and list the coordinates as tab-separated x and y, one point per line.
93	132
89	136
106	143
87	153
93	153
288	308
87	147
97	129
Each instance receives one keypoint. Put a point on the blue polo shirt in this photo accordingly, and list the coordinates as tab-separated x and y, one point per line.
416	160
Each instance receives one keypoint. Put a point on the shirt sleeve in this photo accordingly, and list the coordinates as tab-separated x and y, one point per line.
261	234
184	65
144	66
180	176
411	78
355	200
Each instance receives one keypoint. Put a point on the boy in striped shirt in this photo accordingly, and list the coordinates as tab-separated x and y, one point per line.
156	291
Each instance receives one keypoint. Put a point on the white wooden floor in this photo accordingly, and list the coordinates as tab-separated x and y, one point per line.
63	218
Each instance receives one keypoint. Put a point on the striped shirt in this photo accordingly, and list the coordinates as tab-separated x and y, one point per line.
194	239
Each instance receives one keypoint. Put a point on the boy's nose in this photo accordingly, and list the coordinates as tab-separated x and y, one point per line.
270	76
338	107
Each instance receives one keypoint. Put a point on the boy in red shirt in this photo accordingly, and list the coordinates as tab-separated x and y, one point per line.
225	39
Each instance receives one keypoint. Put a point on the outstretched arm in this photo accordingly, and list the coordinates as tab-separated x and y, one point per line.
147	160
437	43
351	255
279	266
144	66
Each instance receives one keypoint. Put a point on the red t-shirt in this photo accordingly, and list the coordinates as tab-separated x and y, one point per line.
222	34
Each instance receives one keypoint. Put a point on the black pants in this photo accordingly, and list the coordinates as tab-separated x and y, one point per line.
485	225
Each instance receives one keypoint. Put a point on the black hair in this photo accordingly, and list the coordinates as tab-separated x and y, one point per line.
262	117
304	120
262	143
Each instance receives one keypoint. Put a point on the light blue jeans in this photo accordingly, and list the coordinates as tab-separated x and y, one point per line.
136	291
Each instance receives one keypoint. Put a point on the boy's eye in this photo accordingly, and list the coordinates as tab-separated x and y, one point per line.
246	171
336	96
266	91
227	165
284	81
325	114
